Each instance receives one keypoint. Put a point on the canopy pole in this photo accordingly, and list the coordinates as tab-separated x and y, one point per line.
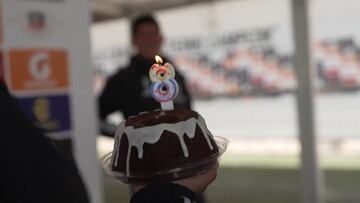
312	188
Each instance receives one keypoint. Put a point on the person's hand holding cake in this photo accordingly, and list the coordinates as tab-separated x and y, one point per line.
168	147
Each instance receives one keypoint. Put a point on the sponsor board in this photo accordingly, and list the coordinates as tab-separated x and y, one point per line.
38	69
46	41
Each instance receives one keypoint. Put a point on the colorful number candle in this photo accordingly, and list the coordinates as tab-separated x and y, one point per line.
164	87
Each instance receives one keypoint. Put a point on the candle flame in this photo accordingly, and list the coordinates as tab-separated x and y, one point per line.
158	59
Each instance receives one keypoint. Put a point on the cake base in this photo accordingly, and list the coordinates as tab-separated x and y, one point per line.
181	172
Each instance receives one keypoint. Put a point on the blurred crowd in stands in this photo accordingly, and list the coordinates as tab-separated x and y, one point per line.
338	64
241	72
266	71
247	71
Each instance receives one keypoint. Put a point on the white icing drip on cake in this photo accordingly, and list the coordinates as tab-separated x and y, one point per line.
205	129
118	133
137	137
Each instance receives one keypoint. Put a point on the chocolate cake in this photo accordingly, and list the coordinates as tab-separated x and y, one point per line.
162	144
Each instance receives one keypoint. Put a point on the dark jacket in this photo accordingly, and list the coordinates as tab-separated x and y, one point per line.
164	193
128	91
32	170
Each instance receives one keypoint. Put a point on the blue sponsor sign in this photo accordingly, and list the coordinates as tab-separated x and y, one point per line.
50	113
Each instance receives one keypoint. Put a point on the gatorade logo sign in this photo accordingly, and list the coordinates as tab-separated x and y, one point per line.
39	66
38	69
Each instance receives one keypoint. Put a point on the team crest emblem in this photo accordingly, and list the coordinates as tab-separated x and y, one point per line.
36	20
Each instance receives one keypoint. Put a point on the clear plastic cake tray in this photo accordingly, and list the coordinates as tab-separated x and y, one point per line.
186	170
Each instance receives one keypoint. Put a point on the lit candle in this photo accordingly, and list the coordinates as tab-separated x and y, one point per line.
164	87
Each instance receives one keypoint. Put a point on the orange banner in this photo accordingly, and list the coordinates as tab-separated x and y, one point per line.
38	69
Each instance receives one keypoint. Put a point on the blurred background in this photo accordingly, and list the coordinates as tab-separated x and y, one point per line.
238	60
